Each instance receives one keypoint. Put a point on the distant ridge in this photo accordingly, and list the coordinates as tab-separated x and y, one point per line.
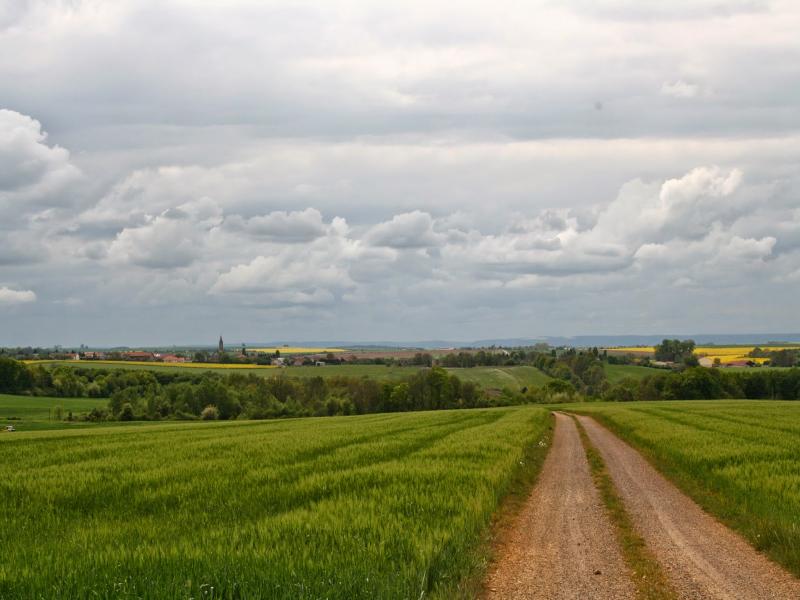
577	341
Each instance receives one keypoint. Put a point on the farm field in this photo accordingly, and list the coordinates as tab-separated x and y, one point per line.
490	377
34	412
297	350
487	377
725	354
500	377
616	373
378	506
736	458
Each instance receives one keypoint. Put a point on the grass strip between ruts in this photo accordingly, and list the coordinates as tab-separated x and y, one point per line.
648	577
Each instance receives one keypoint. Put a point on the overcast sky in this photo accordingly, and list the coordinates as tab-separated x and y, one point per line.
172	170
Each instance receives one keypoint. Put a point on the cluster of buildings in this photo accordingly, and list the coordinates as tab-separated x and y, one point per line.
136	355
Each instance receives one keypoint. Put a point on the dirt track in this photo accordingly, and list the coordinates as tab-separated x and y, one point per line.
562	544
701	557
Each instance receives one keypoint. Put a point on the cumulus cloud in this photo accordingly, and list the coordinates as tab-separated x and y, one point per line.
408	230
175	238
403	170
287	279
33	175
11	296
290	227
680	89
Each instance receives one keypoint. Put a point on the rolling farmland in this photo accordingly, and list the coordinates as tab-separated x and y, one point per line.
390	506
39	412
489	377
737	459
40	407
725	354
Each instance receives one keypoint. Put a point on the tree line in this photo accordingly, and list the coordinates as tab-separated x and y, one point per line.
698	383
190	395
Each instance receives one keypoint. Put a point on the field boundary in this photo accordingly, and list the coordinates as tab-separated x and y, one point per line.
647	574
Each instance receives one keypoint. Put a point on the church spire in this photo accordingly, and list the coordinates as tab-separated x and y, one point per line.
221	345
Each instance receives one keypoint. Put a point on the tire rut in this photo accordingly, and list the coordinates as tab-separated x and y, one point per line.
562	545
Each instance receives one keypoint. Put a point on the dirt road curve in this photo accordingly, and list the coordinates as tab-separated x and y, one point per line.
701	557
562	544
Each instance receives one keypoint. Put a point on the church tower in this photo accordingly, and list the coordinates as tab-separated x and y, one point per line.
221	345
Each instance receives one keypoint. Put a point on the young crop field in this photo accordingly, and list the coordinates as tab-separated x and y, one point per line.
500	377
379	506
738	459
38	412
514	377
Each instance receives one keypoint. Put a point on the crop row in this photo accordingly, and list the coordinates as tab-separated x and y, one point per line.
380	506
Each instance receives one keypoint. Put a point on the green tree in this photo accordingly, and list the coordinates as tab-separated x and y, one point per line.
126	412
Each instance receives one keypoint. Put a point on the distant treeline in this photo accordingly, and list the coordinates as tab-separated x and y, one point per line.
190	395
699	383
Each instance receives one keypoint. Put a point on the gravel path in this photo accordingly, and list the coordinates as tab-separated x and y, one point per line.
701	557
562	544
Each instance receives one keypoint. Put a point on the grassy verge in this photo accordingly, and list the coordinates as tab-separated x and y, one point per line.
648	577
522	482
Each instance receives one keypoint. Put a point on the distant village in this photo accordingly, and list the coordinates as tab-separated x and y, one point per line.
279	357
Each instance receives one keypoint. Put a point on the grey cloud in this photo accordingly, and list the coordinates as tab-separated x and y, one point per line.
367	170
291	227
12	296
481	80
33	174
677	9
408	230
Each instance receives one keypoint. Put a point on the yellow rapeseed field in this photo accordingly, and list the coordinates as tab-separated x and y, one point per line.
296	350
726	354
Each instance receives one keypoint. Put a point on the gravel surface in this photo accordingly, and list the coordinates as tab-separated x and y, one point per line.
562	544
701	557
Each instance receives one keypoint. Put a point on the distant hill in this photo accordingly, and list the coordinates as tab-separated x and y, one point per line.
577	341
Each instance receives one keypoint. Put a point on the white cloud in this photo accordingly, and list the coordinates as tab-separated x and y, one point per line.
11	296
407	230
175	238
290	227
417	168
33	175
680	89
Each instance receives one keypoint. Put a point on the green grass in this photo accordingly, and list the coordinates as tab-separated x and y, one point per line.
488	377
648	577
616	373
28	413
500	377
377	506
737	458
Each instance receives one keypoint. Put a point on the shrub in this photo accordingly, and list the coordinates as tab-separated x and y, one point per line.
210	413
126	412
